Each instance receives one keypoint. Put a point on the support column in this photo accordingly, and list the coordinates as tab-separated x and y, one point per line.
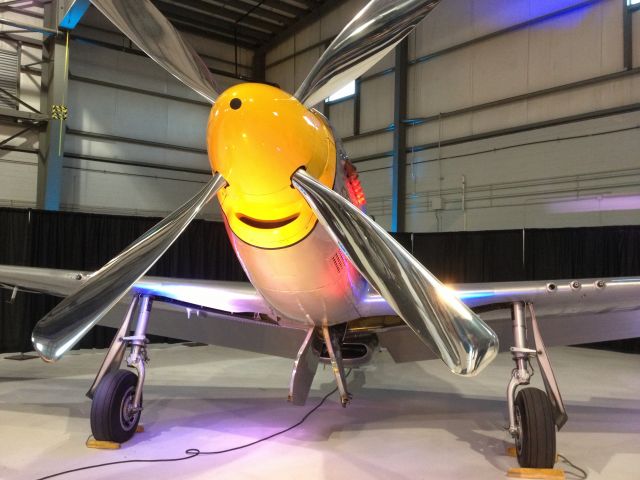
53	91
356	107
627	36
259	66
399	166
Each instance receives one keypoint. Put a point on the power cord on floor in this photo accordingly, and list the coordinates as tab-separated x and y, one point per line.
582	475
194	452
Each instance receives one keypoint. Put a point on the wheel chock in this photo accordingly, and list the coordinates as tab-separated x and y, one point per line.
536	473
102	444
106	445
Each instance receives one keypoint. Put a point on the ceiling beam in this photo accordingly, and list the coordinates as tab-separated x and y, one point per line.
212	25
284	7
303	22
233	16
266	12
228	38
244	6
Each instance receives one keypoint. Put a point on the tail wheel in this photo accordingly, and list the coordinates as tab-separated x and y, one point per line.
536	438
112	416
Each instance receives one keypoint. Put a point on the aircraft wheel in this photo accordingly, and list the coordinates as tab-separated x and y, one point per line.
536	439
111	416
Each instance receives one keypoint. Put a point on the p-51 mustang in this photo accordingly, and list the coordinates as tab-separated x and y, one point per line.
327	283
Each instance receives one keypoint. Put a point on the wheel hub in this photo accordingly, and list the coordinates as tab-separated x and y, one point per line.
128	414
518	432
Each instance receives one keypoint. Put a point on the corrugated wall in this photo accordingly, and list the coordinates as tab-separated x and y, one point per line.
477	69
136	137
18	168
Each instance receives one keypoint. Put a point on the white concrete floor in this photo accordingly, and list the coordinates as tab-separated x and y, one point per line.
409	421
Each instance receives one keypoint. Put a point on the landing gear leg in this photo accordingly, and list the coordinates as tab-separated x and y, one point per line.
332	337
305	367
533	414
117	393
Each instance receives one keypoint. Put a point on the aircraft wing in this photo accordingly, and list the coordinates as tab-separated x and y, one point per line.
233	314
569	312
231	297
230	314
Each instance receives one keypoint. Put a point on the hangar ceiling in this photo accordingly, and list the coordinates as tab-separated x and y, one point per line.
248	23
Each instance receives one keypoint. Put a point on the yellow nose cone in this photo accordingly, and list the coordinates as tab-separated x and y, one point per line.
258	136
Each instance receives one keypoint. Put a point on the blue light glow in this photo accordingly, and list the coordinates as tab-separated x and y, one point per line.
73	15
471	295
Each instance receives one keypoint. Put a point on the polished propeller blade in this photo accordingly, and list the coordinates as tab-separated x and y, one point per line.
143	23
463	341
66	324
372	33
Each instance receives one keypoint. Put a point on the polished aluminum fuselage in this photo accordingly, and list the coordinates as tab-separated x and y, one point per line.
311	282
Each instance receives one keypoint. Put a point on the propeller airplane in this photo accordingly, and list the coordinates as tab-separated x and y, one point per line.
318	265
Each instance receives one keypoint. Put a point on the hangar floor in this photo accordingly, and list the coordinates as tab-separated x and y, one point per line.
406	421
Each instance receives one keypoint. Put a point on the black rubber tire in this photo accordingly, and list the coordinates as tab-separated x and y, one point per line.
109	421
536	447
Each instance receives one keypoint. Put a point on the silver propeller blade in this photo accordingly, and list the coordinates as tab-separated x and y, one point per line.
372	33
143	23
463	341
66	324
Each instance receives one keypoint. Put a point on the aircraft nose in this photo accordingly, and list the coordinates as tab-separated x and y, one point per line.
259	136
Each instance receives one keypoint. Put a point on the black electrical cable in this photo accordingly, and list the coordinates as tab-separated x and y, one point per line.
583	473
194	452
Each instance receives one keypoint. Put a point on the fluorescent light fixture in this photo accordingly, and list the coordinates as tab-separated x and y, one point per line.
347	91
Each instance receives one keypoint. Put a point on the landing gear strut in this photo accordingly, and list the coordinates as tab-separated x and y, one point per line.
117	393
534	414
332	337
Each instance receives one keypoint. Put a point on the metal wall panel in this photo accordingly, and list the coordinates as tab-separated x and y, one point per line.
440	85
341	116
149	120
282	75
376	103
370	145
9	78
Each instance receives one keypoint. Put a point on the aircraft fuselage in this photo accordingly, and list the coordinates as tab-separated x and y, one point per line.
258	137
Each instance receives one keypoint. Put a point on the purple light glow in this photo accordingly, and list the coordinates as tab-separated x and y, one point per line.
227	296
597	204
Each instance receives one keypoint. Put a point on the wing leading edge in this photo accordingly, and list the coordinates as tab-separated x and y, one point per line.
230	314
569	311
231	297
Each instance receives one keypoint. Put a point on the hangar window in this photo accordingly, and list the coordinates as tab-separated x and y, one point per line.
633	2
349	90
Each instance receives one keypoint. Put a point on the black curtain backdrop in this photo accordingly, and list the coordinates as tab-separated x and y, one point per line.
87	241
